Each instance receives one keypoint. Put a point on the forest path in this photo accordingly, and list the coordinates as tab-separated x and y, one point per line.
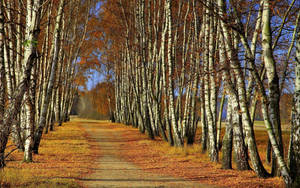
111	170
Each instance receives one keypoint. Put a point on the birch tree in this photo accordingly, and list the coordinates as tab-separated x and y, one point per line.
255	159
47	95
199	47
178	140
2	87
273	79
294	151
30	54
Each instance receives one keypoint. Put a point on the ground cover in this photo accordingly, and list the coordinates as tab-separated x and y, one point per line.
65	156
158	157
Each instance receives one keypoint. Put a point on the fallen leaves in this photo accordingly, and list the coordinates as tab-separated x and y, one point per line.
65	155
158	157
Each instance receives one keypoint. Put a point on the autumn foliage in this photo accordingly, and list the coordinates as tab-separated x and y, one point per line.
98	102
54	166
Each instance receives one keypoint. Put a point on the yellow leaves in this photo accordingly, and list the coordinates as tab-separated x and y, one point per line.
100	96
188	162
64	156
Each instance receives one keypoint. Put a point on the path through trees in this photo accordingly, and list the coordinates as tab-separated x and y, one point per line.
174	60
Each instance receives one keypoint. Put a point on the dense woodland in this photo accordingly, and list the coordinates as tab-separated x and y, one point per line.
168	67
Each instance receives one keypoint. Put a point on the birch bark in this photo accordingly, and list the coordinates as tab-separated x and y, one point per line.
294	148
29	115
56	48
32	31
2	88
208	84
268	124
227	140
164	79
178	140
254	156
273	81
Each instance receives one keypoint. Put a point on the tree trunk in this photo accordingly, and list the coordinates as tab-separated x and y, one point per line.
48	94
208	84
273	82
178	140
29	128
13	109
227	140
203	119
294	148
240	150
219	143
3	137
241	97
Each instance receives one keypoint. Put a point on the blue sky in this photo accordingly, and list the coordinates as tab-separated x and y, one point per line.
94	79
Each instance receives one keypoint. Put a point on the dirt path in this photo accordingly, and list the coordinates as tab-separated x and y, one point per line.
112	171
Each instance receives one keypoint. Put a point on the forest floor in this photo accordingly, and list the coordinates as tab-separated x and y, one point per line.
92	153
129	158
65	155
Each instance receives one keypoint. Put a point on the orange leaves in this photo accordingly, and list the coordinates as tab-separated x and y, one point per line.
88	63
102	97
188	163
64	157
80	80
82	61
105	32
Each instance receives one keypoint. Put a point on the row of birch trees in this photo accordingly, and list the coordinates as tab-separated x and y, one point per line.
178	64
40	43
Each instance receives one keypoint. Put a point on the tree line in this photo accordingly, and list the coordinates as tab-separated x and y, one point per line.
97	102
178	64
40	45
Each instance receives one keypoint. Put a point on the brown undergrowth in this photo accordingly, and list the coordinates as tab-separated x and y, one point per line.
158	157
65	156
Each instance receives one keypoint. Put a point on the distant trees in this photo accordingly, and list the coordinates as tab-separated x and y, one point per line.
98	102
168	56
40	46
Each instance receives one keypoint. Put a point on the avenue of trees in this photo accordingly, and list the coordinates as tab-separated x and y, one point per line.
177	64
40	44
169	66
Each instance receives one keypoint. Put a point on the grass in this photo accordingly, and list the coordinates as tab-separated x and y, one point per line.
194	152
261	137
65	156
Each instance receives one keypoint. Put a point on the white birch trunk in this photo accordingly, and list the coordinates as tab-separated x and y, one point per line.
3	135
294	148
273	80
178	140
208	84
254	156
13	109
56	48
